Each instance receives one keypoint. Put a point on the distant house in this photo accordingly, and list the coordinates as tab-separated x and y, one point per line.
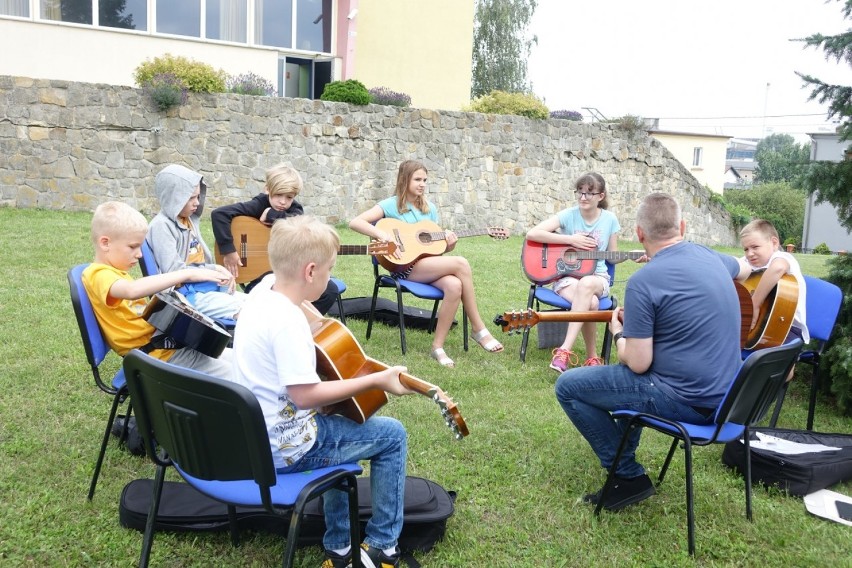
822	224
739	174
422	49
703	155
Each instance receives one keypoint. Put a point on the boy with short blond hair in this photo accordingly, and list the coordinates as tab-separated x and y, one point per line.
762	248
119	301
275	358
277	201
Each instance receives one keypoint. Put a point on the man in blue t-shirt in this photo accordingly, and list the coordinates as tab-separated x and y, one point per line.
679	347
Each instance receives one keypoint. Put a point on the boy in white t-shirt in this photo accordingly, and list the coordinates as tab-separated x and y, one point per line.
275	358
762	249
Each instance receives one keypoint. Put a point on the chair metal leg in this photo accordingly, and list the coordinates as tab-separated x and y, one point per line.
690	499
116	400
525	335
233	526
813	397
779	401
372	309
746	445
668	461
148	539
400	309
464	329
433	319
354	520
340	314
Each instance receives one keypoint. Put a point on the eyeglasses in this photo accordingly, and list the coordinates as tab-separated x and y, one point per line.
587	194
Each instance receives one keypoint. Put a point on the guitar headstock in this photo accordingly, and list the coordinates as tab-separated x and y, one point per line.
498	233
381	248
450	412
516	320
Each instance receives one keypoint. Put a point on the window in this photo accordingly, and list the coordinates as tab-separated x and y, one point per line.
125	14
313	25
273	23
179	18
15	8
74	11
697	154
226	20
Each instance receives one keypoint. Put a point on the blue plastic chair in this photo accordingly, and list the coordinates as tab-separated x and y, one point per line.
97	349
213	432
822	304
416	289
749	396
148	265
543	295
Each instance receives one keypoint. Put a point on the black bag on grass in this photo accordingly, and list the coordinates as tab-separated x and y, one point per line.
798	472
183	509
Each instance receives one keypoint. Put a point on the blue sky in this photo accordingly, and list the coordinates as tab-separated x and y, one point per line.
698	65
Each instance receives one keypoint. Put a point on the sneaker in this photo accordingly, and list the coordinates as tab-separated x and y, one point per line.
625	491
334	560
562	359
593	362
375	558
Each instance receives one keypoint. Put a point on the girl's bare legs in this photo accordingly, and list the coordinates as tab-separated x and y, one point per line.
583	297
453	276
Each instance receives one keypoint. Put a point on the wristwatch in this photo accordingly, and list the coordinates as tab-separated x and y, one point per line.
616	337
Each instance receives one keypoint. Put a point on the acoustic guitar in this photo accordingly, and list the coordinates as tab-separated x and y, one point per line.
424	238
251	238
340	357
546	262
171	314
518	321
775	317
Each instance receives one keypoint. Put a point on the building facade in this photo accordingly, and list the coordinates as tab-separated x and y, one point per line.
417	48
703	155
822	224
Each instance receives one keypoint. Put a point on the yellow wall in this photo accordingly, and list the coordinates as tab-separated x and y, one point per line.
422	49
711	172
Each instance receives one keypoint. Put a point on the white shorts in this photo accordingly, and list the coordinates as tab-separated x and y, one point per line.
570	281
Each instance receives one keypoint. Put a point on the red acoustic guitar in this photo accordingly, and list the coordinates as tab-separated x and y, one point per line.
340	357
424	238
251	237
547	262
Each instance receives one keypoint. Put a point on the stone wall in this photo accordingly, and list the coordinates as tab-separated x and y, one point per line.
66	145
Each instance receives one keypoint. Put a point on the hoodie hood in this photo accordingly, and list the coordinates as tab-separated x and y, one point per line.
174	186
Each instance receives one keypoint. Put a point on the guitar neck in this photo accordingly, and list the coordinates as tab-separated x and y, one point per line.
352	250
417	385
606	255
594	316
462	233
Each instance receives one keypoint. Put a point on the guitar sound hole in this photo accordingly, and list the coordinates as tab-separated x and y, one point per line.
424	238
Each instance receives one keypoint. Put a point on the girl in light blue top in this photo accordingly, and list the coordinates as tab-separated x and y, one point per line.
451	274
587	226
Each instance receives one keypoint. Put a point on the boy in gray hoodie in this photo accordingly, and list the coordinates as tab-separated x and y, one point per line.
174	236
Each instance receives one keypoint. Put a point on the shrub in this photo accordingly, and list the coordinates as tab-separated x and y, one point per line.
822	248
779	203
349	91
250	84
501	102
567	115
385	96
630	123
166	91
198	77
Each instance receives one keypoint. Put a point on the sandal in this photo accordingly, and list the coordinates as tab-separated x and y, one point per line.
492	346
441	357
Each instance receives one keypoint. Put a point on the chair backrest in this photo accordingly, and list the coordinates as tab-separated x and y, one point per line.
211	428
756	386
94	342
148	264
822	303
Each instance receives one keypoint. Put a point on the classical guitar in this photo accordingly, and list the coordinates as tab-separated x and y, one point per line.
424	238
775	317
546	262
251	237
339	356
518	321
171	314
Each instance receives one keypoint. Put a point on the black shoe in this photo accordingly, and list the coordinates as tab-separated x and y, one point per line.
333	560
624	492
375	558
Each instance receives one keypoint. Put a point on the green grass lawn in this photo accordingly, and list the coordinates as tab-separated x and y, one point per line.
520	475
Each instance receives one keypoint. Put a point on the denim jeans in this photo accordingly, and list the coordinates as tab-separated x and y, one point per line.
384	442
589	394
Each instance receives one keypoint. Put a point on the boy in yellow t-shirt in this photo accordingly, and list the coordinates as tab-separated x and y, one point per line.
118	300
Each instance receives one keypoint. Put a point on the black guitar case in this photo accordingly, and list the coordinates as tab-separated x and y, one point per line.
427	506
797	473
